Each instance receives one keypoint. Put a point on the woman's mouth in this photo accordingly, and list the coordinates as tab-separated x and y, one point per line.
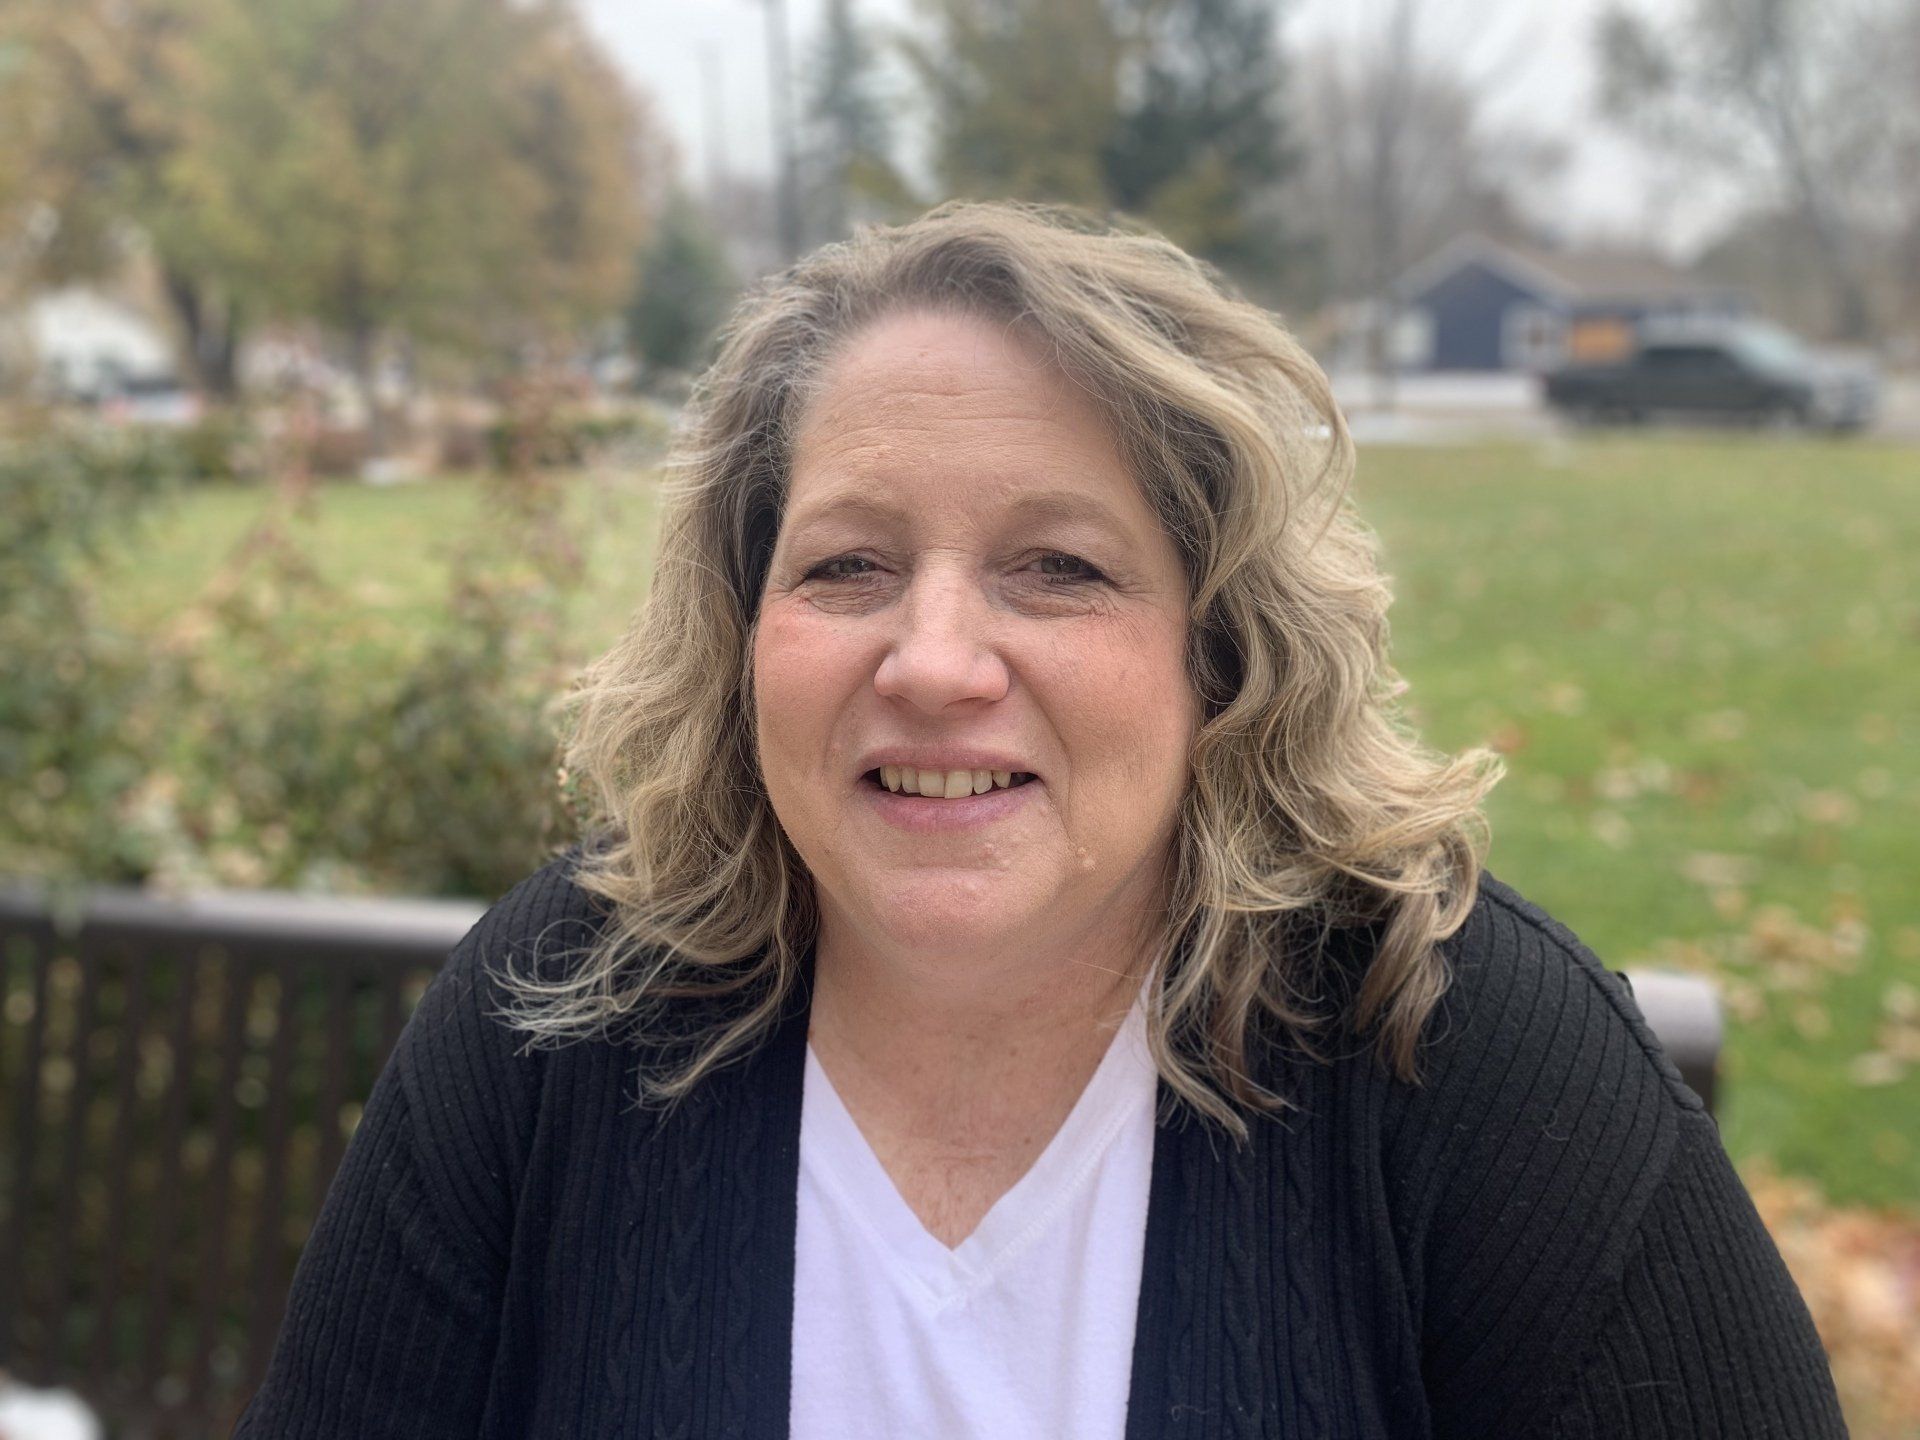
944	805
944	784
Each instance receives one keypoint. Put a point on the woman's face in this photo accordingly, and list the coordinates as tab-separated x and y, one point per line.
968	578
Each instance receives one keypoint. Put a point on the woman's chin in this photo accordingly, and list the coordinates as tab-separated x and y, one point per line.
939	921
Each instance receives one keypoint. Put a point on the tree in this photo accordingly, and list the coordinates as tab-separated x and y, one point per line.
685	287
1172	110
1023	96
457	173
96	100
848	158
1400	157
1766	96
462	173
1902	158
1202	135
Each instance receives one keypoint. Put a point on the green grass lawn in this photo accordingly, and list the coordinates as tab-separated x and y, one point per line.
1701	657
382	552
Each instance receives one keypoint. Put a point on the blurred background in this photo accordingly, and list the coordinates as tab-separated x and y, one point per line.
340	341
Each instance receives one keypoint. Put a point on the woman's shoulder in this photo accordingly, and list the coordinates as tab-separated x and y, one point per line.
1525	1009
1543	1130
538	928
1565	1199
1529	1006
545	921
461	1026
1546	1115
461	1086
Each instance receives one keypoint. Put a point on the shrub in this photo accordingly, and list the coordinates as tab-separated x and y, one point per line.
632	435
221	446
248	754
67	751
339	450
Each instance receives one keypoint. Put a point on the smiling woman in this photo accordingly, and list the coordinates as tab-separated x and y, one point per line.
1063	997
1067	464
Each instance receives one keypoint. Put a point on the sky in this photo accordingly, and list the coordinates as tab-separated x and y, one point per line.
1536	60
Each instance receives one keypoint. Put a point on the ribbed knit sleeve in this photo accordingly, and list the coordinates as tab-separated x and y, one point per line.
394	1312
1706	1334
390	1324
1589	1261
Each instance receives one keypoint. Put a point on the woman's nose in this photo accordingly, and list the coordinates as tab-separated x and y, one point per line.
941	650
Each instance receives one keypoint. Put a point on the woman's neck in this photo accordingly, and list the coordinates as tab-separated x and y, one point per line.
959	1075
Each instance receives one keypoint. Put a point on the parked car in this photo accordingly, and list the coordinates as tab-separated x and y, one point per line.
1734	370
158	400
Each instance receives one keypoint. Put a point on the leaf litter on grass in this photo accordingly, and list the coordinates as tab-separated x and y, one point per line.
1775	957
1858	1269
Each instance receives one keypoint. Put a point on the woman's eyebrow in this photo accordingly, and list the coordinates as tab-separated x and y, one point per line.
852	505
1070	505
1030	505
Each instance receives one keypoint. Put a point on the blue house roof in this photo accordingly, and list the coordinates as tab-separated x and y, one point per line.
1480	305
1564	279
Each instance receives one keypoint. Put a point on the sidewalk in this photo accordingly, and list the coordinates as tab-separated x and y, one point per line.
1458	409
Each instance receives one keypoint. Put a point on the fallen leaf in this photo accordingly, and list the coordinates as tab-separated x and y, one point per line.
1875	1067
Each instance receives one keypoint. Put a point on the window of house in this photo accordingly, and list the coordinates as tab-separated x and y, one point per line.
1532	337
1410	341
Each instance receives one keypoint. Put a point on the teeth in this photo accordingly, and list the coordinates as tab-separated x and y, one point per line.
944	784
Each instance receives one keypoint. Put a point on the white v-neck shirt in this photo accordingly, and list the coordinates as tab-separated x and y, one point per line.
1024	1329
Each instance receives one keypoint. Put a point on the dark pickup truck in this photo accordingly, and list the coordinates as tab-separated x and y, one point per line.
1745	371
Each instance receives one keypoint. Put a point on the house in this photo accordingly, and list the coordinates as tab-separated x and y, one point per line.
1482	305
83	341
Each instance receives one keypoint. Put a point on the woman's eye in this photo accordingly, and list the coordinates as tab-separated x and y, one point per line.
827	569
1082	574
858	567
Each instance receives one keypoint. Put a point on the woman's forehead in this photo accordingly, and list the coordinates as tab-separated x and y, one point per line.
955	400
911	367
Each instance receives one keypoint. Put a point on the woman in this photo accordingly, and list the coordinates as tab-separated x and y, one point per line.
1060	997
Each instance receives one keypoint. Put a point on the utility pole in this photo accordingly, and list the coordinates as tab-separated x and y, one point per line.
715	137
786	156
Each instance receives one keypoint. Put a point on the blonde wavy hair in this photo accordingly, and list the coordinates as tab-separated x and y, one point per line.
1311	805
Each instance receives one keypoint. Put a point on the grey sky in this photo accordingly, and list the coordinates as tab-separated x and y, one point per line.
1536	58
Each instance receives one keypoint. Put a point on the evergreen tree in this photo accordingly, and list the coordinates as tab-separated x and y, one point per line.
684	289
1201	139
1172	111
849	152
1023	94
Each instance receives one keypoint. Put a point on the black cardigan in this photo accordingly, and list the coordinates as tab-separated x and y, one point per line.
1546	1238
